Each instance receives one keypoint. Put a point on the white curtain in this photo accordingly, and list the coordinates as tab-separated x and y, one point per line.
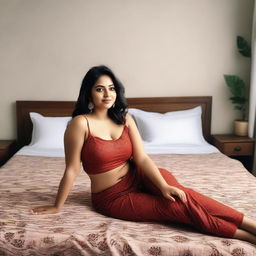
252	100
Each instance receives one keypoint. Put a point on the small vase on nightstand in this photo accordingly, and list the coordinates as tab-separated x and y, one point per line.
241	128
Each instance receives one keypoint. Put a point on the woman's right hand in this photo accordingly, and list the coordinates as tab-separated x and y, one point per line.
48	209
170	192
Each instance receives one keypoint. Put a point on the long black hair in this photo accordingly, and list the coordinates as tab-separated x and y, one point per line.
118	111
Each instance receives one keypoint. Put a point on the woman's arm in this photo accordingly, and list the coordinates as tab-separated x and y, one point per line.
73	142
144	162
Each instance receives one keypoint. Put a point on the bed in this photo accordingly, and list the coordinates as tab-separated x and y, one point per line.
31	177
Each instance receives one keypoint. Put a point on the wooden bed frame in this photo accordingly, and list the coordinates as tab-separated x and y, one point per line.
65	108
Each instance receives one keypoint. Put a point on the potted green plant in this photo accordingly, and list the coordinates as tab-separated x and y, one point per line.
239	91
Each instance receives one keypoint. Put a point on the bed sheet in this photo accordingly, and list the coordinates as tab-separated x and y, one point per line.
29	181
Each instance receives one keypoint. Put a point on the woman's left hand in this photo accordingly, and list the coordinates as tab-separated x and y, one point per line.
48	209
170	191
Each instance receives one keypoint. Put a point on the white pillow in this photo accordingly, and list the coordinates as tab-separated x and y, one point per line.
177	127
48	132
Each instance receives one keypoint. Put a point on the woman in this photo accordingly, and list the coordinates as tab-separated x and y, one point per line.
125	183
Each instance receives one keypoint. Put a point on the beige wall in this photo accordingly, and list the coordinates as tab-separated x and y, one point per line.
156	47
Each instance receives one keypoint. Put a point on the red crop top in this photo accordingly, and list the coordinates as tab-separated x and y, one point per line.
99	155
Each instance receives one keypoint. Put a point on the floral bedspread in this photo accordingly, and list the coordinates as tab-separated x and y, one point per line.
28	181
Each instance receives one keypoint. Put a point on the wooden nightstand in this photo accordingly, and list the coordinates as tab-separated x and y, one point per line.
7	149
238	147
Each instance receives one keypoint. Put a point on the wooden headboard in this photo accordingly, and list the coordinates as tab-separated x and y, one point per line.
153	104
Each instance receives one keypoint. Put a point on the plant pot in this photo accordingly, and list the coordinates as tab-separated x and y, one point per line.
241	128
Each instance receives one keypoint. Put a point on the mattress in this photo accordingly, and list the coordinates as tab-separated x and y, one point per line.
29	181
203	148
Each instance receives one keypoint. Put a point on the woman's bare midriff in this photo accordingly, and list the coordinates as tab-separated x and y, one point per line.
102	181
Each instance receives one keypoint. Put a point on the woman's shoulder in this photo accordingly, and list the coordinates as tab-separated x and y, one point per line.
78	121
128	120
76	132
